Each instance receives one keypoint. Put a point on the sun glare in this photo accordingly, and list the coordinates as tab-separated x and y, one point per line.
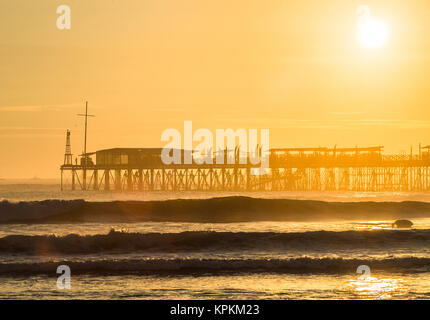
371	33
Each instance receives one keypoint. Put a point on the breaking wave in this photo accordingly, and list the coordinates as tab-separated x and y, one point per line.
303	265
194	241
224	209
34	210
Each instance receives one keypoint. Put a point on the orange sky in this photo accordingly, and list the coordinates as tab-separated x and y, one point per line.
294	67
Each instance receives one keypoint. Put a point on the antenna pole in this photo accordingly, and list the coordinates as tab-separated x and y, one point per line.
84	182
86	125
84	172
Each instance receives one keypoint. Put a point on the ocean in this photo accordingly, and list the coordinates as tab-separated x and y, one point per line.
272	245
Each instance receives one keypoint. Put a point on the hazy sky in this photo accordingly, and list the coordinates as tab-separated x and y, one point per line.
294	67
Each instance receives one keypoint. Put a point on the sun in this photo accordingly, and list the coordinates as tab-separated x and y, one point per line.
371	32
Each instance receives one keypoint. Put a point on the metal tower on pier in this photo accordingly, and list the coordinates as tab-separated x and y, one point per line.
68	155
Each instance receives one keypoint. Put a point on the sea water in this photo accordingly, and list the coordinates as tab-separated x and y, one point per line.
191	260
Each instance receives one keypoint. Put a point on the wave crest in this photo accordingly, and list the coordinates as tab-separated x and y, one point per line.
124	242
302	265
224	209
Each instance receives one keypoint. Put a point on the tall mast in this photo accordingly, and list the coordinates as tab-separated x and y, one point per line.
86	115
86	126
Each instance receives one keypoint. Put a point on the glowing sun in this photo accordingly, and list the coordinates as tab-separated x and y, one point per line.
371	33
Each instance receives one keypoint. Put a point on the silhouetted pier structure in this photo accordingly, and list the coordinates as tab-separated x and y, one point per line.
291	169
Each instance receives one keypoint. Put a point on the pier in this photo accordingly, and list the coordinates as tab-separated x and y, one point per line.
291	169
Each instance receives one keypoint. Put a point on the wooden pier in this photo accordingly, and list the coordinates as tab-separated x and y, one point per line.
291	169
